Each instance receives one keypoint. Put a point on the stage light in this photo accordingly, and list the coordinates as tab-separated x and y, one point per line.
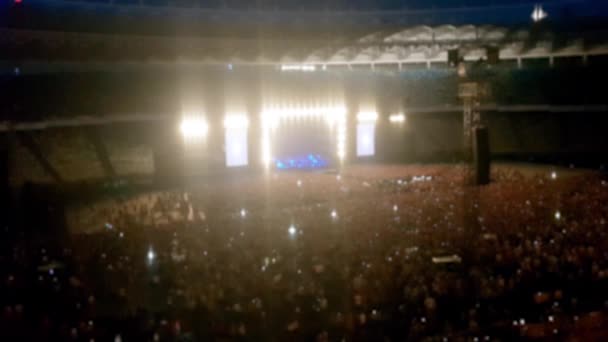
266	157
558	215
341	122
243	213
268	121
553	175
538	13
365	139
275	114
194	127
151	255
396	118
367	116
334	214
236	121
297	67
292	230
236	140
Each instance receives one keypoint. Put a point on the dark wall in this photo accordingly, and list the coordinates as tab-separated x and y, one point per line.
576	137
173	90
155	148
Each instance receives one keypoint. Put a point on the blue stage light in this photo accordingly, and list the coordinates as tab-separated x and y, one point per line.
308	161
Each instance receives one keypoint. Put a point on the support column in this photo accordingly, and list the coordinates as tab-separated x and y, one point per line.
470	92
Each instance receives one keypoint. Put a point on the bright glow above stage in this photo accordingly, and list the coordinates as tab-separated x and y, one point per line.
367	116
396	118
194	127
298	67
331	114
236	121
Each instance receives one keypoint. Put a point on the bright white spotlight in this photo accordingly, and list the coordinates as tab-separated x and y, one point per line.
298	67
243	213
396	118
194	127
151	255
553	175
538	13
334	214
367	116
292	230
558	215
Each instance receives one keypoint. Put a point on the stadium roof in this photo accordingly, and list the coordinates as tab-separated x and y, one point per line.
409	45
197	17
294	5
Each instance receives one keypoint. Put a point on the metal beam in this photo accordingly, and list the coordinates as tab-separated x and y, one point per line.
92	134
105	120
26	140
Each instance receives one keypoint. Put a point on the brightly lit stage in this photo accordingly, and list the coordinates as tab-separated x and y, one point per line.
282	138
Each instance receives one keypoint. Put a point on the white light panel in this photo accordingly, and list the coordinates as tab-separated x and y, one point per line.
365	139
236	146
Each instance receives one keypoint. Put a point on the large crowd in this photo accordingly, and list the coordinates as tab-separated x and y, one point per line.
366	254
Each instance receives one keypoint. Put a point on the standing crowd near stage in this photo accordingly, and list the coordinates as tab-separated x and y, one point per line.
385	253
